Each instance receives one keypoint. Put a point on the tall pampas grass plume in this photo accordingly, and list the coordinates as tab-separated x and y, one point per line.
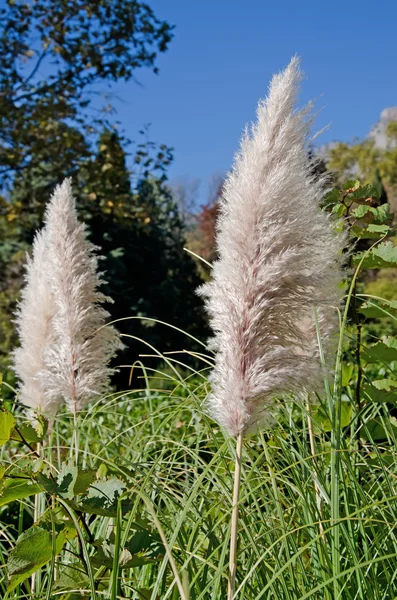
276	283
65	345
279	260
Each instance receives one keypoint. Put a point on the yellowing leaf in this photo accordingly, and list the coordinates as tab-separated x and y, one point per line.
7	423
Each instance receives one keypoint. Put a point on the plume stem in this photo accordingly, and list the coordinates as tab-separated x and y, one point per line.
37	513
313	451
76	437
234	526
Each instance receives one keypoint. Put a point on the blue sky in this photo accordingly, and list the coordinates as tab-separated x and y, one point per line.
223	55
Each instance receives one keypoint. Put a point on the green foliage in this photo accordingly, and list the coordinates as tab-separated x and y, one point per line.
7	423
51	55
15	489
137	226
36	547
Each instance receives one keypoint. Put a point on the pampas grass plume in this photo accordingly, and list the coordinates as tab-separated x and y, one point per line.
67	337
279	260
34	325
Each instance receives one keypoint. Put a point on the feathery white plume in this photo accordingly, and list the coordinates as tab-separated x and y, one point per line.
280	259
34	324
77	362
68	337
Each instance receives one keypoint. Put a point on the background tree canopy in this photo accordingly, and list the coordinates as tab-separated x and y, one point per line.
55	123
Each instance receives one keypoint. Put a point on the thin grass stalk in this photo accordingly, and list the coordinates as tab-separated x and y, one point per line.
160	530
85	552
277	499
335	414
115	585
335	406
313	451
37	512
234	523
51	575
20	531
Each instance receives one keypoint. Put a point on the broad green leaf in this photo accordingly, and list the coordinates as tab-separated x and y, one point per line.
379	395
379	215
84	479
339	210
71	577
142	548
378	309
372	231
331	198
323	421
385	384
381	257
351	184
7	422
70	481
375	430
16	489
46	483
362	193
41	426
32	551
347	371
384	351
27	432
66	481
102	497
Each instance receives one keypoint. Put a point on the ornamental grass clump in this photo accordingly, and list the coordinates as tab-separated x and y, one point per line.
277	281
65	345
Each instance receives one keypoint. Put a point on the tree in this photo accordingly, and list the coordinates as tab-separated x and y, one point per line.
202	236
365	159
149	274
52	53
141	236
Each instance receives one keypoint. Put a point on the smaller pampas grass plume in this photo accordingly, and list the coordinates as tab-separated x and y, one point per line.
65	345
280	259
34	317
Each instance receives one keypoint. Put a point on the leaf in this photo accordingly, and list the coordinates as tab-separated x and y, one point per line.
102	497
377	309
16	489
372	231
378	395
384	351
84	479
351	184
66	481
41	426
7	422
379	215
331	199
72	578
347	371
27	432
375	430
143	548
385	384
323	421
32	551
382	256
